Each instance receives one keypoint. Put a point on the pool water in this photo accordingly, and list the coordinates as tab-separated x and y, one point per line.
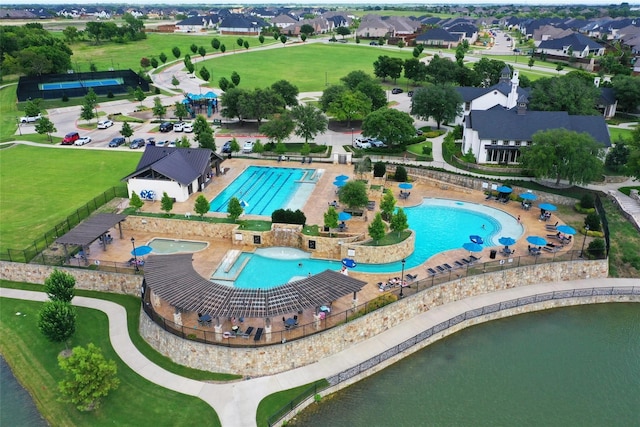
75	84
263	189
440	225
170	246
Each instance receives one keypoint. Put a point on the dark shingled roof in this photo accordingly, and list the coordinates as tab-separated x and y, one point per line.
437	34
90	229
173	279
183	165
577	41
498	123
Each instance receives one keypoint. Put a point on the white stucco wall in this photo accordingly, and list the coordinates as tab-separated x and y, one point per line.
172	188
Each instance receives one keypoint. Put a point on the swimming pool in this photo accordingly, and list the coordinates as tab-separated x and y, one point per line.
75	84
171	246
440	225
263	189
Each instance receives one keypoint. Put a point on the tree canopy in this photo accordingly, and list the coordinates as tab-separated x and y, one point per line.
441	102
389	125
570	93
57	320
354	194
627	90
60	286
350	105
563	154
309	121
386	66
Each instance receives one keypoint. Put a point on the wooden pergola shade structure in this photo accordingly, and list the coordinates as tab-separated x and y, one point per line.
90	230
172	278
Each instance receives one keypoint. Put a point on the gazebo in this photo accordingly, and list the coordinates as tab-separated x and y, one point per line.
90	230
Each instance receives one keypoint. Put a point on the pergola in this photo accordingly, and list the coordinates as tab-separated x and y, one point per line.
90	230
172	278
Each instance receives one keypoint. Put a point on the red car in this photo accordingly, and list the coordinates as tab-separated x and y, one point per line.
70	138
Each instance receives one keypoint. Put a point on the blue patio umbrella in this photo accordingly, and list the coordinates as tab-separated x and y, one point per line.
344	216
349	263
547	207
537	240
566	229
528	196
507	241
473	247
142	250
476	239
342	178
504	189
339	183
406	186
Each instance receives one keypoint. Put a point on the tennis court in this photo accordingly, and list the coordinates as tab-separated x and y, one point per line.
75	84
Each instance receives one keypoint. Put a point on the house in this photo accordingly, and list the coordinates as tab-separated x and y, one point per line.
575	45
195	24
549	32
465	31
373	26
240	24
438	37
494	134
177	171
283	21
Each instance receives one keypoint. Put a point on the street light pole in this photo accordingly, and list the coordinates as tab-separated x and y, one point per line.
402	278
352	137
135	258
586	231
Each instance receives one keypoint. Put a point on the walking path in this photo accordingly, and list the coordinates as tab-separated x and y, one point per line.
236	403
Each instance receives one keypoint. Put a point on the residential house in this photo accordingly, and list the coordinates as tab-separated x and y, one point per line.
549	32
283	21
195	24
575	45
464	30
373	27
177	171
240	24
438	37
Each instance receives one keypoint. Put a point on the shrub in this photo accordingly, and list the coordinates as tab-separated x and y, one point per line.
433	133
379	169
110	94
457	132
593	221
157	91
287	216
587	201
65	98
401	174
596	248
426	150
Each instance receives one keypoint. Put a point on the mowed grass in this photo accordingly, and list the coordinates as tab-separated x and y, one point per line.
124	56
9	113
617	134
41	186
305	66
137	402
624	254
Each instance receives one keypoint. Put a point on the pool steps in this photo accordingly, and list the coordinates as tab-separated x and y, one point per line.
227	263
229	259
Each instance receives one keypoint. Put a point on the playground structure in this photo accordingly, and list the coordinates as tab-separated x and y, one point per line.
196	103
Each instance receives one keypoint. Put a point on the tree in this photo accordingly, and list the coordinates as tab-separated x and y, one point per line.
57	321
261	39
89	104
215	43
246	44
201	206
230	101
415	70
32	107
287	91
489	71
563	154
60	286
374	91
193	48
343	31
224	84
399	221
202	51
350	105
376	228
354	194
44	126
442	70
559	67
145	62
70	34
309	121
240	41
627	90
175	82
618	156
306	29
303	37
235	146
387	205
571	93
166	203
180	110
260	104
89	377
154	63
385	67
235	78
283	39
139	95
279	127
176	52
159	110
163	57
223	48
234	209
379	169
401	174
389	125
204	73
331	218
126	130
531	62
441	102
203	132
460	51
331	94
135	202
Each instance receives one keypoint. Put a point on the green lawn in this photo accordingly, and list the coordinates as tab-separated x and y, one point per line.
9	113
128	55
307	67
42	186
136	402
617	133
276	401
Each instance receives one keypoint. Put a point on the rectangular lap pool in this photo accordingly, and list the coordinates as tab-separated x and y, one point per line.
262	190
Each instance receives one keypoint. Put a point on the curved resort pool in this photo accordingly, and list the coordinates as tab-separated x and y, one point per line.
171	246
440	225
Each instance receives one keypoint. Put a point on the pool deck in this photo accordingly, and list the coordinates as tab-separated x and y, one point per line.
324	193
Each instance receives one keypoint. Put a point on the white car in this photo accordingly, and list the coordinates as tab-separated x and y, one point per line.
103	124
162	143
178	127
30	119
82	141
188	127
362	143
377	143
248	147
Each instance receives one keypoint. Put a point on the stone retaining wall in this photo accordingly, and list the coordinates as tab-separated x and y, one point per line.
91	280
179	227
380	254
276	358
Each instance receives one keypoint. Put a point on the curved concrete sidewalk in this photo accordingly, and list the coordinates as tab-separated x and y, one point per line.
236	402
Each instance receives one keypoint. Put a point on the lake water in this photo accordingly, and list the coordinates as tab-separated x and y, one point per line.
16	406
575	366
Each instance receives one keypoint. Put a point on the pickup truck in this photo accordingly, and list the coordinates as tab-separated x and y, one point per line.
30	119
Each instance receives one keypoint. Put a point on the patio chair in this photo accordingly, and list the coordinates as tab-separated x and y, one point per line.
258	335
411	277
447	266
440	269
474	259
431	271
551	227
458	264
248	332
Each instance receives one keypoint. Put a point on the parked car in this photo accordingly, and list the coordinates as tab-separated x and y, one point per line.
82	141
410	93
116	142
30	119
178	127
362	143
162	143
103	124
373	43
396	90
188	127
377	143
173	143
137	143
226	148
70	138
419	132
151	141
166	127
248	147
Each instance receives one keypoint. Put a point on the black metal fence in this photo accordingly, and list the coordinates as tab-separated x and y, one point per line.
416	339
35	252
603	219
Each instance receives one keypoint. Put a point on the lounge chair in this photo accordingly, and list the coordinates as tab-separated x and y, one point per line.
440	269
447	266
411	277
467	261
551	227
431	271
458	264
258	335
474	258
248	332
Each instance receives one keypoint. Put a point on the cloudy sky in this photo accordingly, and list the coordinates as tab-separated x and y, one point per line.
340	2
